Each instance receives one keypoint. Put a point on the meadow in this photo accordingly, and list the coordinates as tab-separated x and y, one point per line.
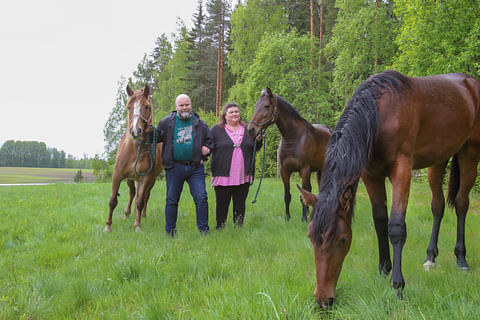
56	262
18	175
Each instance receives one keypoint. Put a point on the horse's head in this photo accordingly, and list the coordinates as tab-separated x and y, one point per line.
265	112
140	112
331	236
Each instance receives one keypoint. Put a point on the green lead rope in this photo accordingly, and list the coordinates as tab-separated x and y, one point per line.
152	151
263	163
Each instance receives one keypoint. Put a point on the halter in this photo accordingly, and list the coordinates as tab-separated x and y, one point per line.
143	118
271	120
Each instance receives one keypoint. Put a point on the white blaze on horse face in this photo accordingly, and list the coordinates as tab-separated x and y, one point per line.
136	115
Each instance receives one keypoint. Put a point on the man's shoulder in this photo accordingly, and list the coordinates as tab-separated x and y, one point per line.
168	117
198	120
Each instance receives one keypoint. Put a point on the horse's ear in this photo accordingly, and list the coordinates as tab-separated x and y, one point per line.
307	197
129	91
269	92
146	91
346	199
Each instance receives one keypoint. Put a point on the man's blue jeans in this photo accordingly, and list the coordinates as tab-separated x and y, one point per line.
195	177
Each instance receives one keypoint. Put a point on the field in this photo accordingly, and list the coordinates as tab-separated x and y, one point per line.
57	263
17	175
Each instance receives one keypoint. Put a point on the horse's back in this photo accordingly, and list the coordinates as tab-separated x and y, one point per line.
430	119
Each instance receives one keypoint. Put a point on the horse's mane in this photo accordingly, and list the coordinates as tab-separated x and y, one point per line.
290	110
349	150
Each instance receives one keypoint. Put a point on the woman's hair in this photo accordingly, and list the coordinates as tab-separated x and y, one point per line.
223	121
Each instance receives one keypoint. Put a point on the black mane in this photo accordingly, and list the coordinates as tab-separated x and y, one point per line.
349	150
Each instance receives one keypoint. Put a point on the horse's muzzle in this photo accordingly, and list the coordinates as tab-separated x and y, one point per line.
136	135
327	303
251	130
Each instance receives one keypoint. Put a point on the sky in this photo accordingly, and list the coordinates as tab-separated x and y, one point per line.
60	63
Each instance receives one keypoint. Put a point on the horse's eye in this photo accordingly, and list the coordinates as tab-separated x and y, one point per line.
343	240
267	106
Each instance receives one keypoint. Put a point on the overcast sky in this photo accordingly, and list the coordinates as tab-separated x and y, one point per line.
60	62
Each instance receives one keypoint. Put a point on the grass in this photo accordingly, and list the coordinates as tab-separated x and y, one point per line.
57	263
16	175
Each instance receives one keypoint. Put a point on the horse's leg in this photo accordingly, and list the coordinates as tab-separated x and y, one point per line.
147	196
397	230
467	162
139	203
435	179
113	200
131	187
305	174
378	198
287	197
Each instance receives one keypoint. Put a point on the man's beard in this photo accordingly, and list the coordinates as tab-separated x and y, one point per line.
185	115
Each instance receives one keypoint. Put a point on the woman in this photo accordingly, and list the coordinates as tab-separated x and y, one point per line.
231	164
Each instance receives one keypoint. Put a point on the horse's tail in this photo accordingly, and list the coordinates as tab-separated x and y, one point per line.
454	182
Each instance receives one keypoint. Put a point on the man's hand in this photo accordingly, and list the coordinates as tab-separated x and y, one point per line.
205	151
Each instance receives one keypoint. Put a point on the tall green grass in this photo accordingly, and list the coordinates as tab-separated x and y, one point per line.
57	263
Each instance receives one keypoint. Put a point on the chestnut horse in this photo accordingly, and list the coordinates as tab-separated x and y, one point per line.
302	147
391	125
138	156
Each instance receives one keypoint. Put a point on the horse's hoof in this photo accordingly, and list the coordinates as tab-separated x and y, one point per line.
429	265
138	229
463	266
108	228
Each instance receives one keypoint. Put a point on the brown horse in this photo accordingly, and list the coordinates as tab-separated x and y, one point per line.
302	147
138	156
393	124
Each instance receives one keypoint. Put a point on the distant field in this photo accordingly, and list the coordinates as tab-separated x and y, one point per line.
14	175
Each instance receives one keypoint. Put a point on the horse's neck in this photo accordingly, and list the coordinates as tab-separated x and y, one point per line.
287	124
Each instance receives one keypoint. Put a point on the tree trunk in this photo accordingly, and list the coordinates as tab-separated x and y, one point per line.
218	102
321	42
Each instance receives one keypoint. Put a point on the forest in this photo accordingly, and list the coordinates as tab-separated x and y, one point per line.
16	153
313	53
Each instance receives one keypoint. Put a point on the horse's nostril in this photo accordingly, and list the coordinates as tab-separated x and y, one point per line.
327	303
330	301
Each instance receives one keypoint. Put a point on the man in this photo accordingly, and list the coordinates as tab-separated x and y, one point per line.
186	144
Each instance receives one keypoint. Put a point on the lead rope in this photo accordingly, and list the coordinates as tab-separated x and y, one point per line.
262	132
152	152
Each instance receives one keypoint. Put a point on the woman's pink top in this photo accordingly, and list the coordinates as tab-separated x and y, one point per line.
237	168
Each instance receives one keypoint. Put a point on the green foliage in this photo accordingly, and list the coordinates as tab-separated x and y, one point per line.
116	124
438	37
249	23
57	263
172	80
283	63
36	154
78	177
101	169
362	44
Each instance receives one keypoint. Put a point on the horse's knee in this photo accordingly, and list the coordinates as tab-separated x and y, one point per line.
397	230
113	202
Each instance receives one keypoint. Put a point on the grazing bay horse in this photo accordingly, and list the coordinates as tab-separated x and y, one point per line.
138	156
302	147
392	125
